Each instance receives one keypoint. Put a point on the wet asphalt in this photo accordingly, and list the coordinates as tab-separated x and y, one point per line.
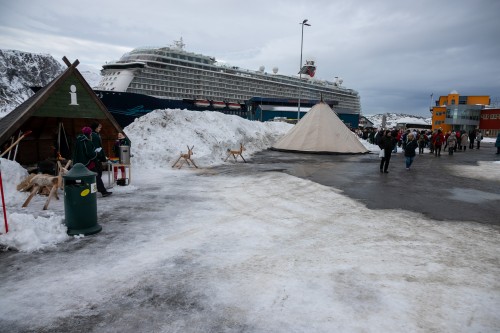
432	186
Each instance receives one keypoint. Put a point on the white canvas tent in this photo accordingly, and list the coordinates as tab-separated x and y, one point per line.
321	131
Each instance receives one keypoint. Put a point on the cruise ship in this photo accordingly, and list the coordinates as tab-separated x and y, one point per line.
151	78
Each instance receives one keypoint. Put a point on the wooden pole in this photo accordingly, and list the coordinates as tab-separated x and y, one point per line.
15	143
3	202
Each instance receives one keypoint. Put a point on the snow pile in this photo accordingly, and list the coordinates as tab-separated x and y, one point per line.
28	233
12	175
160	136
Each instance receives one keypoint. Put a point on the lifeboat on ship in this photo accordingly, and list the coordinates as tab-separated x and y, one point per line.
201	103
234	106
218	104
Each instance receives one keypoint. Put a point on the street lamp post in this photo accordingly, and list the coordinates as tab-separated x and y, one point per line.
430	105
300	67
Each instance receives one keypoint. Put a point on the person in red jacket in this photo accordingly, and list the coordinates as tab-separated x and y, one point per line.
438	141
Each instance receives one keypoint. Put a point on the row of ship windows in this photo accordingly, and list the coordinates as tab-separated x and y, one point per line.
187	93
216	77
153	74
170	86
216	86
220	94
166	91
113	78
111	73
209	71
160	77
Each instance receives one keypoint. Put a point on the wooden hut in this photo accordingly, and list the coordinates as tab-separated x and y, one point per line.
55	115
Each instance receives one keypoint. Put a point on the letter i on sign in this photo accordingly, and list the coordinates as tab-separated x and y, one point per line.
73	95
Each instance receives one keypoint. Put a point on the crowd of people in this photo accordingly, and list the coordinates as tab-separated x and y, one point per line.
89	152
409	140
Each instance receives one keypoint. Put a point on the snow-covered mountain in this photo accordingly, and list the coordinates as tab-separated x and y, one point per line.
90	75
392	119
21	70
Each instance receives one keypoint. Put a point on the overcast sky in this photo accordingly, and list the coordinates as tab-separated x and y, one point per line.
395	53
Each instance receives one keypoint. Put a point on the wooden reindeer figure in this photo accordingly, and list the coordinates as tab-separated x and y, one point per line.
186	158
236	153
44	184
41	183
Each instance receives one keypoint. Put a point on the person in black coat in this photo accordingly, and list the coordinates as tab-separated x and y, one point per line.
386	144
95	137
472	138
86	154
84	151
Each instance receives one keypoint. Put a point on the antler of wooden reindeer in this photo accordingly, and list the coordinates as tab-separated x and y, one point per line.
236	153
186	158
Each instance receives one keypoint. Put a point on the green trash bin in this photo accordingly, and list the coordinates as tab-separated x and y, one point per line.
80	201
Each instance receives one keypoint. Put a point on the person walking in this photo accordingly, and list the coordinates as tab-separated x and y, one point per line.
472	138
101	157
432	138
411	145
438	142
458	135
387	143
86	154
446	136
422	141
371	136
479	137
497	143
452	143
464	140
